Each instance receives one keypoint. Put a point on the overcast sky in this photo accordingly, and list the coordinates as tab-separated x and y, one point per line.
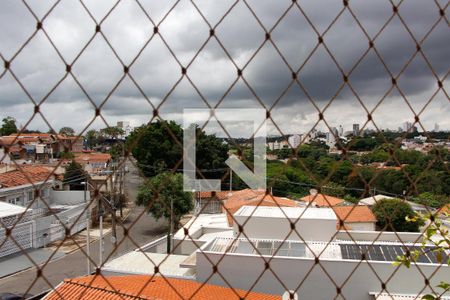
155	71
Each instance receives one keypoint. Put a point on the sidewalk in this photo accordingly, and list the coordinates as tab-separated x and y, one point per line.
17	262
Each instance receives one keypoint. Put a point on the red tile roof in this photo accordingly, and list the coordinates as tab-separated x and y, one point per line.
84	158
355	214
322	200
259	198
444	209
27	175
146	287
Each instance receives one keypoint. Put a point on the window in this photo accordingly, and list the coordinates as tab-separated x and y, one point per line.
15	200
30	196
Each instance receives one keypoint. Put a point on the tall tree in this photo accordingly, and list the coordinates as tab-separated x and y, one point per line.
8	126
163	195
91	138
75	175
67	131
157	146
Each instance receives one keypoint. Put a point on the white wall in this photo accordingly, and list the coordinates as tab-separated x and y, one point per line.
242	271
279	228
68	197
368	226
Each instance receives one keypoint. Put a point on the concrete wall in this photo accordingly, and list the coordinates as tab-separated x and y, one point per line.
49	229
68	197
279	228
369	226
312	281
406	237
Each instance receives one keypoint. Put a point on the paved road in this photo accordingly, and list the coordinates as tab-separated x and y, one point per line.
142	229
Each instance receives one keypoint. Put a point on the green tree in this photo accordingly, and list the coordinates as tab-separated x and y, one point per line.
112	132
91	138
8	126
393	214
163	195
67	131
75	175
157	146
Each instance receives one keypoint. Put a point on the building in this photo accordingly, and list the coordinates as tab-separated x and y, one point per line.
357	217
22	186
126	127
295	140
355	129
322	200
147	287
341	130
303	248
93	162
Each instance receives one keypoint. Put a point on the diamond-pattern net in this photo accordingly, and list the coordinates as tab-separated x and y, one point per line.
122	42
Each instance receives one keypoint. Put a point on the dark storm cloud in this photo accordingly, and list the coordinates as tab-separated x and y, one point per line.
39	67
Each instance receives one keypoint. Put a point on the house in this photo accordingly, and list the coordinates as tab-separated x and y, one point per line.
24	185
93	162
41	146
271	250
147	287
235	202
356	217
212	202
322	200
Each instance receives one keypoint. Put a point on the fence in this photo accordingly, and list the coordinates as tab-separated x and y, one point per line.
379	69
20	238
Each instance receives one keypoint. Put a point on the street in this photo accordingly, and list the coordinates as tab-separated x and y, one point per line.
142	228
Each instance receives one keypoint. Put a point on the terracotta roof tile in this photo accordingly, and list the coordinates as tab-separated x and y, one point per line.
234	203
354	214
323	200
83	158
27	175
146	287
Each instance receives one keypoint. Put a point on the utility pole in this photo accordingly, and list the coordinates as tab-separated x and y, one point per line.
169	236
231	180
100	249
88	240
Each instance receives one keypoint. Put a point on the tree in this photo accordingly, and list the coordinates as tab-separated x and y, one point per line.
112	132
163	195
67	131
91	138
393	214
8	126
157	146
75	175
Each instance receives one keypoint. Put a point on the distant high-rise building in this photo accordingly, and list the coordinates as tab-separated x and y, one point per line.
294	140
341	130
355	129
436	127
407	126
125	126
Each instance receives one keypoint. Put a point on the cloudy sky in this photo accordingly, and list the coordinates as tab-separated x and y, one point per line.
212	73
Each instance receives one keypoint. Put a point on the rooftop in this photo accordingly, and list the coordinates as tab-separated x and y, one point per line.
323	200
381	252
354	214
25	176
146	287
7	209
373	199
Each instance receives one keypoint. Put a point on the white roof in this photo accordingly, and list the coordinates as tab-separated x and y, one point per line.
373	199
7	209
290	212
